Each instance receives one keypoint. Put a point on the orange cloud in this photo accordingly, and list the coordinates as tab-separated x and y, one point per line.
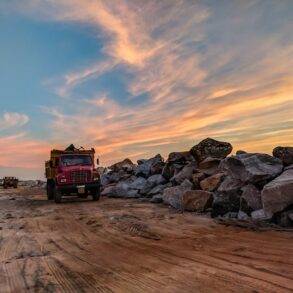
238	89
20	151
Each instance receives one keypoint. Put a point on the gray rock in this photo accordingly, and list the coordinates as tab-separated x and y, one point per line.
211	148
240	152
212	183
132	193
196	200
156	179
152	182
230	215
171	169
185	173
209	166
158	198
108	190
250	199
252	168
126	165
230	185
278	194
197	177
157	189
180	157
227	197
260	215
187	183
146	167
224	203
285	154
173	196
242	216
284	219
288	167
138	184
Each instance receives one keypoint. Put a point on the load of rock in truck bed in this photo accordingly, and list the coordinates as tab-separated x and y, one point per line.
207	179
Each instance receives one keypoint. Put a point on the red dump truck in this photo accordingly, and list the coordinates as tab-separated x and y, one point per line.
72	172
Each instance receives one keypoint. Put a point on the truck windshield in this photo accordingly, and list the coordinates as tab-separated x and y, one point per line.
74	160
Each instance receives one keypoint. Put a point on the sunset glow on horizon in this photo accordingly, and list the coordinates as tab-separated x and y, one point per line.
135	78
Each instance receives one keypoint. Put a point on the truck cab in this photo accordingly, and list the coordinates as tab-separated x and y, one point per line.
72	172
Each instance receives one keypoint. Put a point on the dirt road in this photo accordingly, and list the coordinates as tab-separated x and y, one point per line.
117	245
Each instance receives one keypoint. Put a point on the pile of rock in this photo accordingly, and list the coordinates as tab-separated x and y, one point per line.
32	183
207	180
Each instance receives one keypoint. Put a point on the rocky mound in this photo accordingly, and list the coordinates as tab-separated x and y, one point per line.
207	180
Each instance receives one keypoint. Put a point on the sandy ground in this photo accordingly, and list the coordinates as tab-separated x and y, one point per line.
117	245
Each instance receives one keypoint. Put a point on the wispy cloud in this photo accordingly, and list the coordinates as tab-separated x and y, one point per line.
19	150
12	120
206	70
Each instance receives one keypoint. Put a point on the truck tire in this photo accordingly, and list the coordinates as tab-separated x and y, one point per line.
96	194
50	190
57	195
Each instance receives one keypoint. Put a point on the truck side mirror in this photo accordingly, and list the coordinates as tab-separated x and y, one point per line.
98	161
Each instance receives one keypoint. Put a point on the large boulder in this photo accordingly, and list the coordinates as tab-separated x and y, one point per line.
196	200
156	180
225	203
158	198
171	169
158	189
149	167
109	190
209	166
115	177
231	185
197	177
211	148
185	173
278	194
152	182
250	199
180	157
138	184
122	189
227	197
252	168
285	154
212	183
284	219
126	165
173	196
259	215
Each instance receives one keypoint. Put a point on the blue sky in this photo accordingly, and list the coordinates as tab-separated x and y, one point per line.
135	78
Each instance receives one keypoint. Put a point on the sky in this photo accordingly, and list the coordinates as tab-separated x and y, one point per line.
140	77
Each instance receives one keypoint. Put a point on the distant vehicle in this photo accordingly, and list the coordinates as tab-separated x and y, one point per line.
10	182
72	171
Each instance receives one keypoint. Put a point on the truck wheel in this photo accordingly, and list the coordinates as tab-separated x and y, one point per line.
57	195
95	194
50	191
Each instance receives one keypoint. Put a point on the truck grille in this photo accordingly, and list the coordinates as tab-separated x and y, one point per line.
80	176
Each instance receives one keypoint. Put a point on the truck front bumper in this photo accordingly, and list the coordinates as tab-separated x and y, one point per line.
74	188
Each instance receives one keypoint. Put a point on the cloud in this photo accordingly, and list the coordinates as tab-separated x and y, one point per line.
12	120
206	70
18	150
